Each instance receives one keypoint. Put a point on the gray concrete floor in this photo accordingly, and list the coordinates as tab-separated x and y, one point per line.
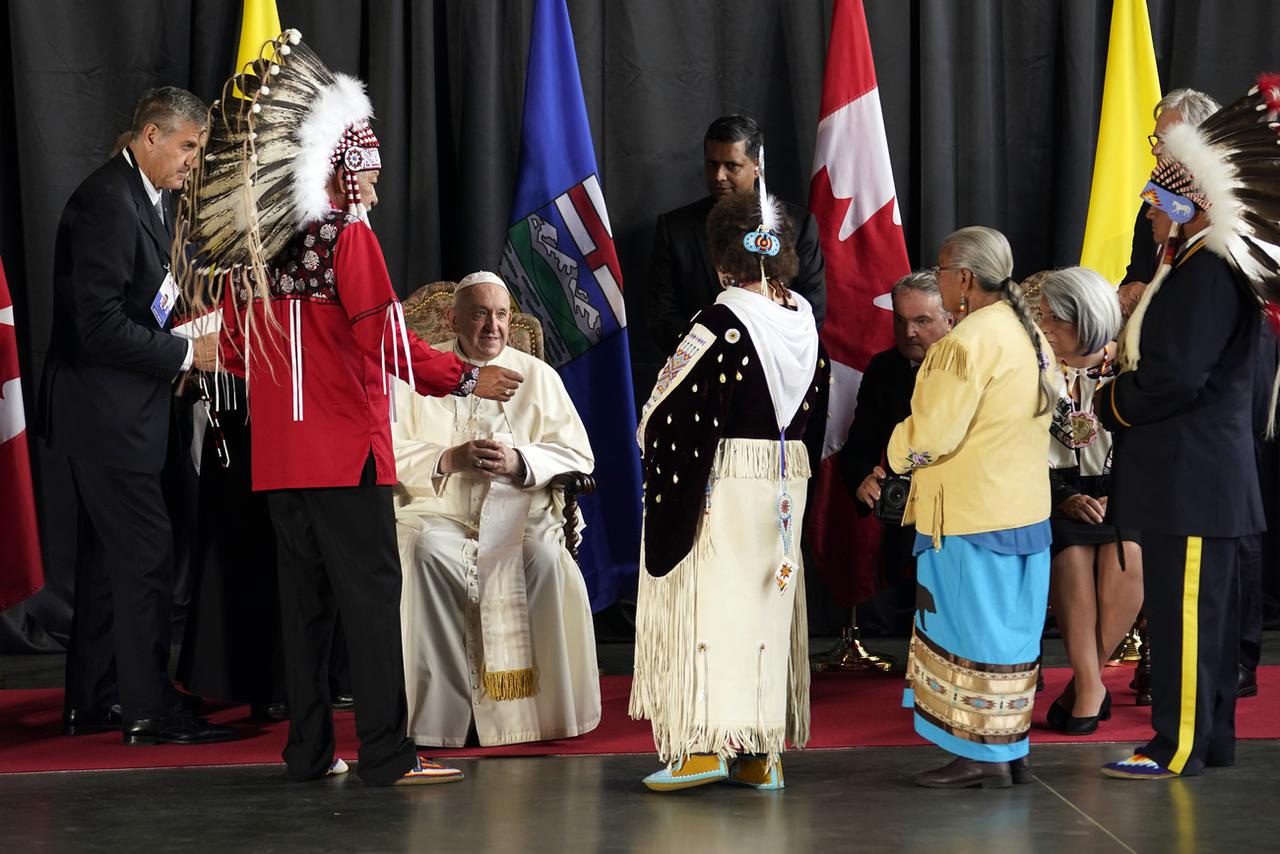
836	800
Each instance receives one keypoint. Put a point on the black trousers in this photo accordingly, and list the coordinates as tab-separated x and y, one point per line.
1252	569
1192	603
122	623
337	555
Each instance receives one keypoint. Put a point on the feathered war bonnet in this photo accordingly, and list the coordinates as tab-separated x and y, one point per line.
1229	167
276	137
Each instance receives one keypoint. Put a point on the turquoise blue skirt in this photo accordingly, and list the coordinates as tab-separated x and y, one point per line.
976	644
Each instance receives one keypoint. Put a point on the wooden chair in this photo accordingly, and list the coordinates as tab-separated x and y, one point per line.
426	313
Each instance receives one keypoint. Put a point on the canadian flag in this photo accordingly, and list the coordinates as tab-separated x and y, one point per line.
21	570
852	197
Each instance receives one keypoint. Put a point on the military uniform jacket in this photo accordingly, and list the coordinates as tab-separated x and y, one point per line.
1183	457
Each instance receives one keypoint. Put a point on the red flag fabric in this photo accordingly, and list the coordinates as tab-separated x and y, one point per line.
853	198
21	569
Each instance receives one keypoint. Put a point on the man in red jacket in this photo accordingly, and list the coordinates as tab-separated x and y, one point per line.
316	345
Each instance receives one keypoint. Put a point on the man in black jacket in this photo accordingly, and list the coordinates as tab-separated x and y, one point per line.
682	280
884	400
1185	475
105	405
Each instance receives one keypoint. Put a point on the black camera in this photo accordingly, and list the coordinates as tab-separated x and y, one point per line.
893	499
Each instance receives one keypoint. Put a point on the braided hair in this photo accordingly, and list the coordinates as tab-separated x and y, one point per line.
985	253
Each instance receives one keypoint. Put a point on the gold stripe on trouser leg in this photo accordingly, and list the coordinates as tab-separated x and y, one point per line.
1190	654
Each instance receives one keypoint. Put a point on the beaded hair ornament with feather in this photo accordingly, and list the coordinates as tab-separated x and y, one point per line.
764	241
276	136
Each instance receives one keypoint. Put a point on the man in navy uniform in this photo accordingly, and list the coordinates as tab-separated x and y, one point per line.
1184	474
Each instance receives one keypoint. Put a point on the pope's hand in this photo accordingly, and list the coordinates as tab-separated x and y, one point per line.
477	458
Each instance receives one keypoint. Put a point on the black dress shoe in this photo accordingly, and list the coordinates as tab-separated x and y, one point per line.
88	722
1020	770
182	728
192	703
1247	683
1089	725
268	713
344	703
964	773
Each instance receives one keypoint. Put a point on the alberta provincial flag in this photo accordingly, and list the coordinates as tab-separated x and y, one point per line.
560	264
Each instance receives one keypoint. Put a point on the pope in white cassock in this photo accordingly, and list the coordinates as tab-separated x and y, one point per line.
494	614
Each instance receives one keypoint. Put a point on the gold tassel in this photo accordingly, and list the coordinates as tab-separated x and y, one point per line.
510	684
949	356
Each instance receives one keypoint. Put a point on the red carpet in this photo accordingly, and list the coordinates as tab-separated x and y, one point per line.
848	711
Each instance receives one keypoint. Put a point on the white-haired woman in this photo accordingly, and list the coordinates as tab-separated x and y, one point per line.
1096	577
976	443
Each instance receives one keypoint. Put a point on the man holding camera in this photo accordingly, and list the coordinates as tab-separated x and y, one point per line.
884	400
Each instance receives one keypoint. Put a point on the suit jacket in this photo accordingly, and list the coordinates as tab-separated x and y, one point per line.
1142	257
683	281
884	400
1182	422
105	392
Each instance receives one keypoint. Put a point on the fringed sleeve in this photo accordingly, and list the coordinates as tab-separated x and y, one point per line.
946	397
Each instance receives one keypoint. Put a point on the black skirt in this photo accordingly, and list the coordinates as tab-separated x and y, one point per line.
1068	531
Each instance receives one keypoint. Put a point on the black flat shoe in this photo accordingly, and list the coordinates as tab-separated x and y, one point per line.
90	721
344	703
1020	771
182	728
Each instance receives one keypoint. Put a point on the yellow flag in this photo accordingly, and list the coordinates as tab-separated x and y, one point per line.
1123	161
259	24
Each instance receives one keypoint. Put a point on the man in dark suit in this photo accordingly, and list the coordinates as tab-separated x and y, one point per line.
682	280
884	400
1185	475
105	404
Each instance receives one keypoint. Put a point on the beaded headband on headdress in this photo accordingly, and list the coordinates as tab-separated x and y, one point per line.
356	151
1173	189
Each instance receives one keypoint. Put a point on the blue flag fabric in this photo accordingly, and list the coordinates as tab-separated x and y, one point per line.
560	264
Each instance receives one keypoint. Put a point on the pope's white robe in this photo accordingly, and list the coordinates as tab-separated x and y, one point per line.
437	520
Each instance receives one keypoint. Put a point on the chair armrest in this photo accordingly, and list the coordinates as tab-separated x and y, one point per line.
575	485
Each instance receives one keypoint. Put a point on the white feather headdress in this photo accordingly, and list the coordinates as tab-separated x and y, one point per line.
1234	159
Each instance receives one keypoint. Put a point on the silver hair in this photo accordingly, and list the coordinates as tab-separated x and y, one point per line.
982	251
1193	105
1081	297
922	281
168	108
985	253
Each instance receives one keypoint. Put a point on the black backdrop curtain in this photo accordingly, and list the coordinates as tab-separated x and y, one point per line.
990	109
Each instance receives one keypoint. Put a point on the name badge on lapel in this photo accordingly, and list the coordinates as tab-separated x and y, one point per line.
162	305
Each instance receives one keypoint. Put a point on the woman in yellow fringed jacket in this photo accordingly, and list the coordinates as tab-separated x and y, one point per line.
976	443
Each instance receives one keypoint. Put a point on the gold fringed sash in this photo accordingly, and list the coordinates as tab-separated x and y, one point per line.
509	670
511	684
976	701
